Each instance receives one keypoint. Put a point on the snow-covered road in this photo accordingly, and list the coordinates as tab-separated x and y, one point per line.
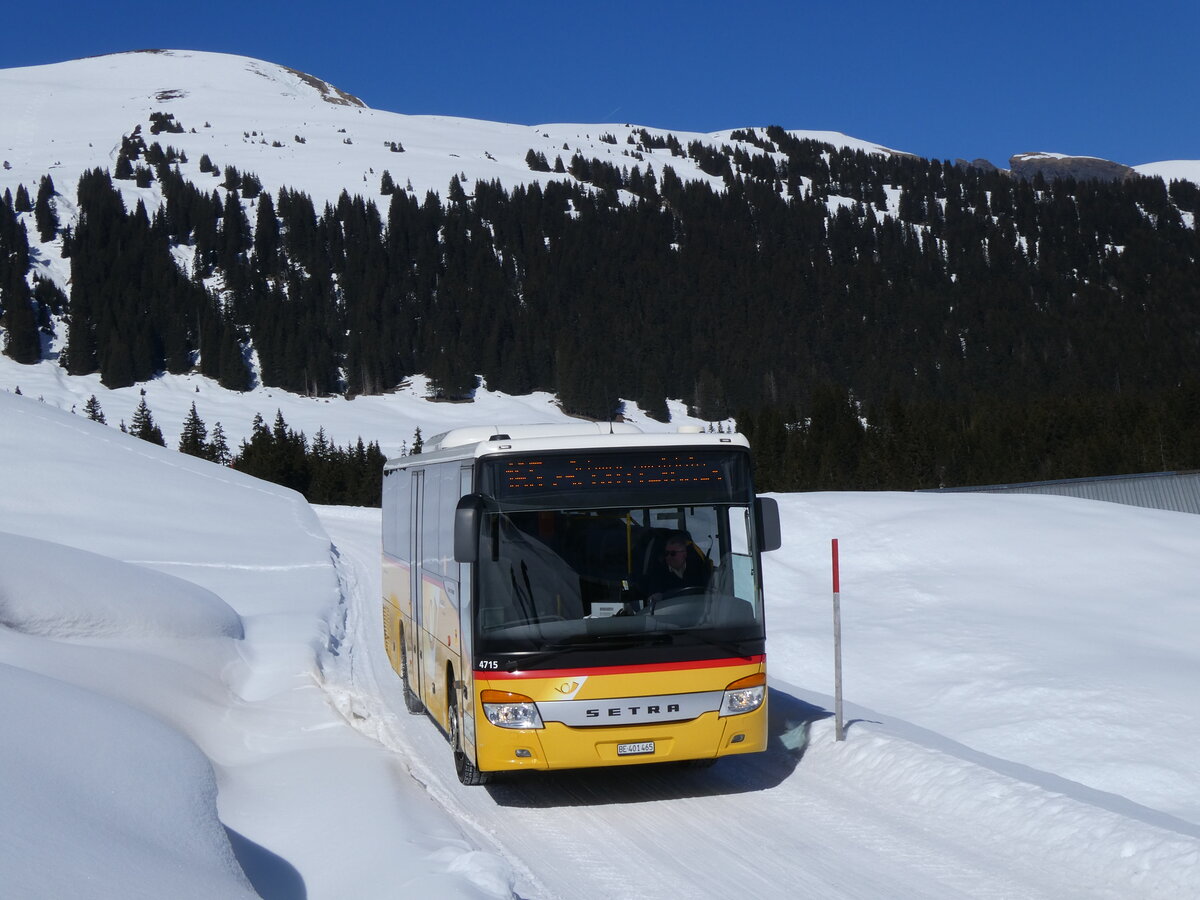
894	811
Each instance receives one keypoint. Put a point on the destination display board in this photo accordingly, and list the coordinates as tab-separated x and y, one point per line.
688	474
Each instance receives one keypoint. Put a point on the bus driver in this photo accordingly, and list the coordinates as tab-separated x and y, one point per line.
680	567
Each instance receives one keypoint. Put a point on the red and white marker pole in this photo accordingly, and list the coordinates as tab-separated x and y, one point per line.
837	645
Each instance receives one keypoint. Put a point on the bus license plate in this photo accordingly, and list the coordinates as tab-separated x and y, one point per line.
635	749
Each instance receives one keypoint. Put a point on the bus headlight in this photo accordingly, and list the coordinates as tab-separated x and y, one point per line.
507	710
744	695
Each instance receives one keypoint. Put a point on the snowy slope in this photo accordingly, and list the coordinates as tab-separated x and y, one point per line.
1172	170
293	129
162	627
70	116
176	631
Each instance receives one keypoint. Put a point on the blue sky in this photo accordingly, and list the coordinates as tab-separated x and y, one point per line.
940	79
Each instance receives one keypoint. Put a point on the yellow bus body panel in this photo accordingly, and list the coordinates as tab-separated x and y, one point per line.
397	608
438	647
560	746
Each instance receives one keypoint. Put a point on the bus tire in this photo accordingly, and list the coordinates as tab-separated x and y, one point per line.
411	701
464	766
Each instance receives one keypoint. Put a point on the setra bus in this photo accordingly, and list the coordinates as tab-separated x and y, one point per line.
524	606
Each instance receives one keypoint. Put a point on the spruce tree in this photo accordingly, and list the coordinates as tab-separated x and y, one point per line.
93	410
193	437
21	340
43	211
21	203
218	447
123	171
142	426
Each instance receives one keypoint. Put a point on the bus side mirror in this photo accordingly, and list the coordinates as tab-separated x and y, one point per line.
766	518
467	516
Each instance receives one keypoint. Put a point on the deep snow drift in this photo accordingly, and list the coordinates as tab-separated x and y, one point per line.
194	705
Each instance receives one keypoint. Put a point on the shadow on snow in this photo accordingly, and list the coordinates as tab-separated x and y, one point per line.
271	876
788	722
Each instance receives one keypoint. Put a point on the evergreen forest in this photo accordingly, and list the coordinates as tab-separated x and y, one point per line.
870	321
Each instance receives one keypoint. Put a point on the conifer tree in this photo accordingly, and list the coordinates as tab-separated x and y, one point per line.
93	410
21	203
142	425
43	211
123	171
193	437
218	447
21	341
266	236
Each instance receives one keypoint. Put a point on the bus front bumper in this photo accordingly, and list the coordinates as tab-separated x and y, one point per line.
559	746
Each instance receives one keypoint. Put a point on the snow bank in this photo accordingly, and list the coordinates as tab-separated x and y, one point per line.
132	500
131	714
948	795
56	591
104	801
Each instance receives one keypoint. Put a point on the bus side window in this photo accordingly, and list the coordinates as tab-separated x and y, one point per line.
402	514
396	514
430	521
743	564
388	502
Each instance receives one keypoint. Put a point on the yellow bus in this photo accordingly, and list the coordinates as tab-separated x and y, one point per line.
570	596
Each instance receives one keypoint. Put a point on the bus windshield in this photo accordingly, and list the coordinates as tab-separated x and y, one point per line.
562	585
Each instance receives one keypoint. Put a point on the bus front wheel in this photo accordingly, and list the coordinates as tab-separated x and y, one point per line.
464	766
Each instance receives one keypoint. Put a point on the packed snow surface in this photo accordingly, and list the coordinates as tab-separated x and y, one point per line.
196	704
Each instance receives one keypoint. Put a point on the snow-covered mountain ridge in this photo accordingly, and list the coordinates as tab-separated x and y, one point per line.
293	129
287	127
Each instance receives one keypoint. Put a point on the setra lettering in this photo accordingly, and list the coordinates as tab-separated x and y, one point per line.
616	712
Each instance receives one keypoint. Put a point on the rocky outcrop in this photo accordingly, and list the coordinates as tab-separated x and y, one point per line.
981	164
1081	168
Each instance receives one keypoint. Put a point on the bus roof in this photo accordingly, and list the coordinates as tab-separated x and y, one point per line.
474	434
482	440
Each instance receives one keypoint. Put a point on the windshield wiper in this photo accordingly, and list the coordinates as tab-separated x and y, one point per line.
733	647
540	656
585	642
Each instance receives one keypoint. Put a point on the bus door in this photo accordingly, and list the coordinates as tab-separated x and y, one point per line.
464	602
415	641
